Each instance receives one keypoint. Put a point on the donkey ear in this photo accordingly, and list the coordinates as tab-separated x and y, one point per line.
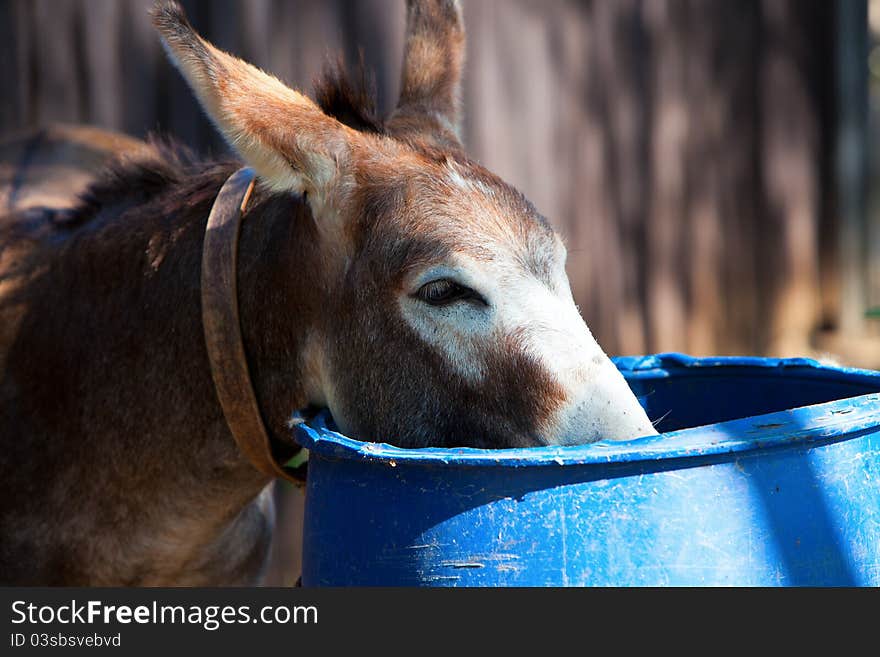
283	135
432	62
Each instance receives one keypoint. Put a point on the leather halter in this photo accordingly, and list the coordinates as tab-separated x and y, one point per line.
220	320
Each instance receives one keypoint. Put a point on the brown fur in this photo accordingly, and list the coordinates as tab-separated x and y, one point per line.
433	59
52	166
350	99
116	464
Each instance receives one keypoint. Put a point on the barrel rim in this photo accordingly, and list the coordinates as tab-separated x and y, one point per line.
817	423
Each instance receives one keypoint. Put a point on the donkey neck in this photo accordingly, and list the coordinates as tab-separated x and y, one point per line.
110	354
281	295
278	301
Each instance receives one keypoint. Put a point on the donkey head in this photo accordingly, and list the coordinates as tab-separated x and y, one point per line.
449	318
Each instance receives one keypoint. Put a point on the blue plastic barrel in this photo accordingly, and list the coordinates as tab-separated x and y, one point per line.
767	473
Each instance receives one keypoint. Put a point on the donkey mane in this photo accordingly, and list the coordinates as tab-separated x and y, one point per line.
131	179
349	97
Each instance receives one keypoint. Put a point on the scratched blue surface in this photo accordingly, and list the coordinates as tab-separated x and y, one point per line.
766	474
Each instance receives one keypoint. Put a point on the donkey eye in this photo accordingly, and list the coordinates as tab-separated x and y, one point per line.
443	292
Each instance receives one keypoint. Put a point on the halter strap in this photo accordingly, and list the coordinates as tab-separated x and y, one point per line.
221	323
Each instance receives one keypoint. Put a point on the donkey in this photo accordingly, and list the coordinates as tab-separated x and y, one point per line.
382	274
